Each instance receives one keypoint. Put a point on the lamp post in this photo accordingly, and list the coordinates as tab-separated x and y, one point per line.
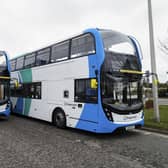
153	64
167	75
167	85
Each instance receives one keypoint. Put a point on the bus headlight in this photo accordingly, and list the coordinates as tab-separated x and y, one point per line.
142	116
7	105
108	114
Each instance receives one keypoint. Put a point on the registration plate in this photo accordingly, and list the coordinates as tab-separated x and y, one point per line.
130	127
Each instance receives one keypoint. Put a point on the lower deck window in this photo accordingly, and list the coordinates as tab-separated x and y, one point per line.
84	91
27	90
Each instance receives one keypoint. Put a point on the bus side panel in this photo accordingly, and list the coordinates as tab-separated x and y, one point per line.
57	78
19	106
89	116
89	119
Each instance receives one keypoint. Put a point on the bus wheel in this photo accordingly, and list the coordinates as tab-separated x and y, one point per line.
59	118
11	107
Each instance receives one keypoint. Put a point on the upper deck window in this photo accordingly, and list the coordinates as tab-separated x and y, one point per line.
117	42
82	45
120	52
60	51
43	57
19	63
29	60
13	64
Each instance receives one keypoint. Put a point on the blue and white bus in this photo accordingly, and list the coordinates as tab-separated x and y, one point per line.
4	85
91	81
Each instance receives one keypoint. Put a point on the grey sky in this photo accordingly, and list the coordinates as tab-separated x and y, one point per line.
26	25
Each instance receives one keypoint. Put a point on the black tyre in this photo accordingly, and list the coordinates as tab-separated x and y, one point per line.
59	118
11	107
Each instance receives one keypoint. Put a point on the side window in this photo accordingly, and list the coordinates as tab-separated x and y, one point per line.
13	65
29	60
43	57
16	92
82	46
84	92
38	91
19	62
27	90
32	90
60	51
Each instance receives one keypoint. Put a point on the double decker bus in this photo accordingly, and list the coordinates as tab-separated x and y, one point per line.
91	81
4	85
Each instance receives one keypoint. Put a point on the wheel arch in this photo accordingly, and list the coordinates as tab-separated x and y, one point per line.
56	109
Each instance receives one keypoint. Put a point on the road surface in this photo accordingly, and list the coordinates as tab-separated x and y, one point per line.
29	143
163	101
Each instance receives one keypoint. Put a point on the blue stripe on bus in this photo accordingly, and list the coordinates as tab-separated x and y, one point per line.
19	106
8	62
90	111
89	117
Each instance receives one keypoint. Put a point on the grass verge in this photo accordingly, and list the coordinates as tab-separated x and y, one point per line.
149	118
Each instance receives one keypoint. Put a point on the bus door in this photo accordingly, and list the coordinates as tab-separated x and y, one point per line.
34	102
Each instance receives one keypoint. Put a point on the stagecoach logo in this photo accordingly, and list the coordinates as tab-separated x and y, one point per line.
69	104
129	117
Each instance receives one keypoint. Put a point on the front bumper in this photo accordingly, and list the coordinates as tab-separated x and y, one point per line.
5	112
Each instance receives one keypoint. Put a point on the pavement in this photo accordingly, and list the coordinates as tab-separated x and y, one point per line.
156	130
29	143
